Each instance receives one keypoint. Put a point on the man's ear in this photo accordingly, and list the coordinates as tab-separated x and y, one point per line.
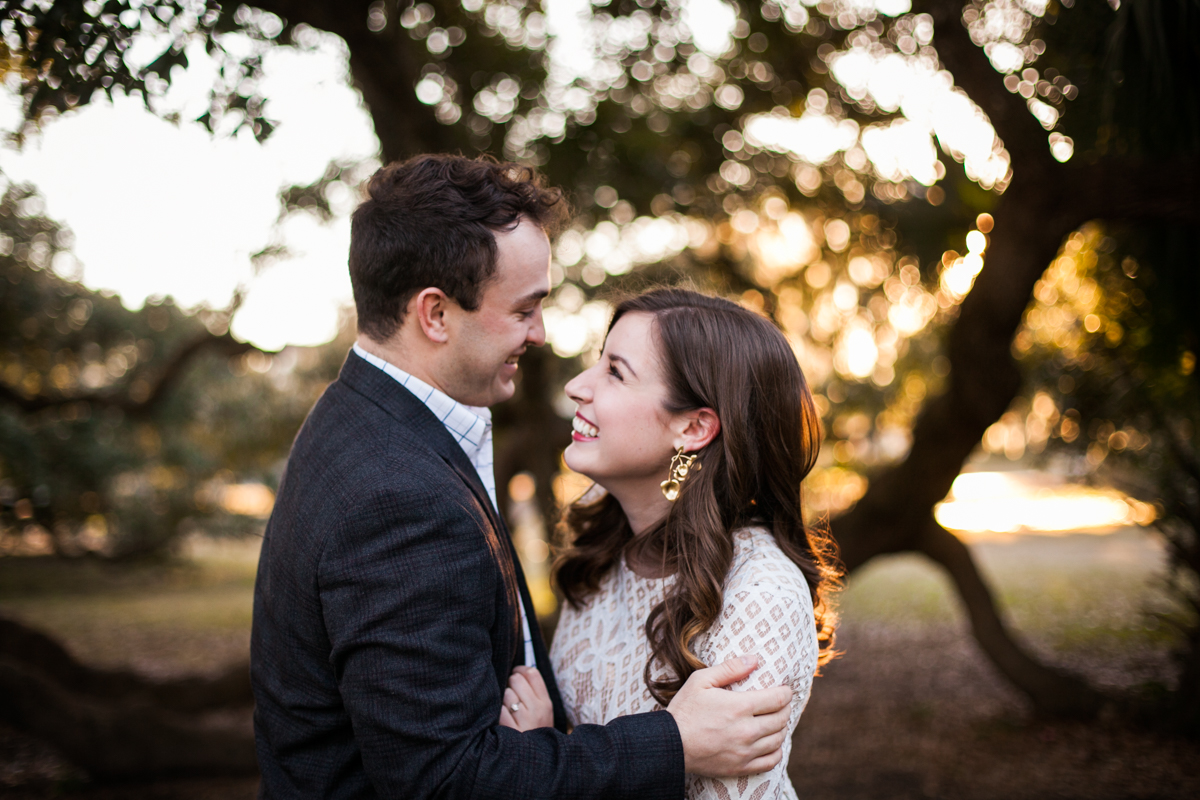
429	306
698	428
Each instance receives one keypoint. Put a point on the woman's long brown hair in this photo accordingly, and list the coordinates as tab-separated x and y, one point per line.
715	354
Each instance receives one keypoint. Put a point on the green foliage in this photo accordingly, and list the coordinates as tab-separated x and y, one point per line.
108	441
66	52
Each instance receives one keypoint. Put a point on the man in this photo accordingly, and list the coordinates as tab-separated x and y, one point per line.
390	609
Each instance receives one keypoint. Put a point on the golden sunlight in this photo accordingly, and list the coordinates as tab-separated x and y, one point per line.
248	499
985	504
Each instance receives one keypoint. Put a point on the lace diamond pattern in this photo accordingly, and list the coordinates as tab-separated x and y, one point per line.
600	649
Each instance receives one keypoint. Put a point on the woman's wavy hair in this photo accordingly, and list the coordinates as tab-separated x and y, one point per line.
714	354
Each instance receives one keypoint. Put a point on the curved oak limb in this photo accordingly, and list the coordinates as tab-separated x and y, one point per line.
1052	690
43	655
122	739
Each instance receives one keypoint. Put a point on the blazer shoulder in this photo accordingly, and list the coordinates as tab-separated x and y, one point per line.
350	421
351	454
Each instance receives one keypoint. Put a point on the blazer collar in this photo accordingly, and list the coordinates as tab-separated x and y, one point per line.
403	406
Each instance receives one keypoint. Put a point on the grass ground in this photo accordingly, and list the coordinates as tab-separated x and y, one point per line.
911	710
187	616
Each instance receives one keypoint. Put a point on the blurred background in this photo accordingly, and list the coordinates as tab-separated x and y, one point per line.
974	221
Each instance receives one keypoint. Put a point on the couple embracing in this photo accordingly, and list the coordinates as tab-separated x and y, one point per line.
395	651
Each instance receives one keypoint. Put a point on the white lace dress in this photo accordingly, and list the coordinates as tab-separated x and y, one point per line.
600	650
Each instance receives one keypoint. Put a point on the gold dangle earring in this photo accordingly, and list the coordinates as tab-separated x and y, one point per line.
681	466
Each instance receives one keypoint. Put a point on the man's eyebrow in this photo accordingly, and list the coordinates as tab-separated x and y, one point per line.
628	366
533	297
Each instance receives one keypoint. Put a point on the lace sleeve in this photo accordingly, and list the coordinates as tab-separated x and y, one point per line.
767	611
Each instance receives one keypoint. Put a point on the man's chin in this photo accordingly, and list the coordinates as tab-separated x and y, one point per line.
502	390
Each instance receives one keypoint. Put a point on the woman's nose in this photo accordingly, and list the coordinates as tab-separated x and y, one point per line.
579	388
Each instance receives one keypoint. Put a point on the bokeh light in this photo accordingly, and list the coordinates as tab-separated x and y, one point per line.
1025	501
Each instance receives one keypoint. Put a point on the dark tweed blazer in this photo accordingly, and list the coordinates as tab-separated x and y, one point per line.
386	626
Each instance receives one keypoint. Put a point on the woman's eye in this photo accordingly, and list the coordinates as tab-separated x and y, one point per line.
612	370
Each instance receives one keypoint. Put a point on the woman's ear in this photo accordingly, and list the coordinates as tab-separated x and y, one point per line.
698	428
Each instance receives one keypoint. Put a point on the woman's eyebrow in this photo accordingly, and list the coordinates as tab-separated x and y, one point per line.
628	366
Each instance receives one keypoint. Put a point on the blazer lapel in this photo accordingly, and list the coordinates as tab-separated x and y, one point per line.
539	645
403	405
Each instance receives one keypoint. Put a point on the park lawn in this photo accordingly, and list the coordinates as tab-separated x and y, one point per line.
911	708
1094	603
1098	595
188	614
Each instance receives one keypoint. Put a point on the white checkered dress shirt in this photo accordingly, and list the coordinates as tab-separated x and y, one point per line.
471	427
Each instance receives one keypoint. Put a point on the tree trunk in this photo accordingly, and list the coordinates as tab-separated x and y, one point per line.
36	651
385	67
535	433
121	740
1043	204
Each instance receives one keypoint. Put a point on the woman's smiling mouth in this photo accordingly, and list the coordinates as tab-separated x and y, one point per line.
584	431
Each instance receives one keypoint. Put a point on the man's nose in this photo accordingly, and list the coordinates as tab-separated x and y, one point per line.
536	336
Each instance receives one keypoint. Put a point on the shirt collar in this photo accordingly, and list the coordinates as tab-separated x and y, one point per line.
469	425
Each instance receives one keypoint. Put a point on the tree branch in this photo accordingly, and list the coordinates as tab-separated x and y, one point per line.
385	70
1031	219
122	740
37	651
168	375
1040	207
1022	135
1051	690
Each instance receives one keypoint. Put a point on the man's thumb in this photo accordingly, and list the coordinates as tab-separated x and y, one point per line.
732	671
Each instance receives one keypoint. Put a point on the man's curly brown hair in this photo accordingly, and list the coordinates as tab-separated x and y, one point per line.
431	221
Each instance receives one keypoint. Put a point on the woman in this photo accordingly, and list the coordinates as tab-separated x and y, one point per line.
698	425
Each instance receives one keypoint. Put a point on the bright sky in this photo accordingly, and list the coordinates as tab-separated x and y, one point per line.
160	209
